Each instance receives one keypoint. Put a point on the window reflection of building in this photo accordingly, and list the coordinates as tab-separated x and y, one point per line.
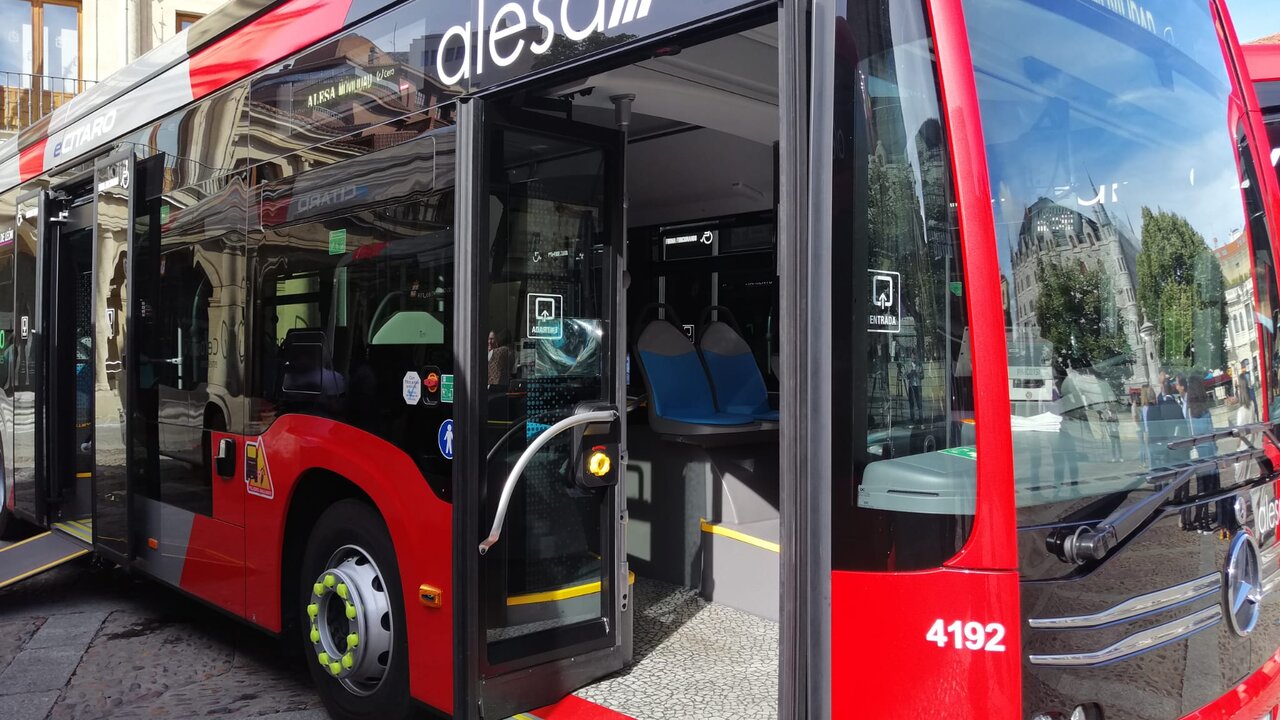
1053	233
357	89
1242	330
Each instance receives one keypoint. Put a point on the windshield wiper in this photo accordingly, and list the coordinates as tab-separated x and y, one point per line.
1086	543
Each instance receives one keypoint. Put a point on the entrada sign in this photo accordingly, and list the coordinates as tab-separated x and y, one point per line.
480	40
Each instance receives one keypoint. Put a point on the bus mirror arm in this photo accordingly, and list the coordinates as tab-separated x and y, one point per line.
1084	543
513	478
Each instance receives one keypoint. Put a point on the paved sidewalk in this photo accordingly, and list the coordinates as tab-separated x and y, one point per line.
88	641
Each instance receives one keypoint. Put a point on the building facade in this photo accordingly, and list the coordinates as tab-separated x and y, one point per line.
50	50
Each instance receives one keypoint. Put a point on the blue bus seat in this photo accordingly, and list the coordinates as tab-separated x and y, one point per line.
736	380
680	399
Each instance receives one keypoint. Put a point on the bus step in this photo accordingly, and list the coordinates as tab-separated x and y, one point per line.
34	555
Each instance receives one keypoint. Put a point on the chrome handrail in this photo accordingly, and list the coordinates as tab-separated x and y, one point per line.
509	488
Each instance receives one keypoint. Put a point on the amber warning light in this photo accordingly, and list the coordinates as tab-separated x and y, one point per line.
598	463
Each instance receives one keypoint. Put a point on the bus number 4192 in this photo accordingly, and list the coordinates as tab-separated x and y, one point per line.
967	635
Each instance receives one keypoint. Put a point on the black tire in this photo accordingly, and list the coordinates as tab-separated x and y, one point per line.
344	525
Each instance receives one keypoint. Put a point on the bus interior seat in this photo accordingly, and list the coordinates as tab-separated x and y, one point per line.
680	399
736	381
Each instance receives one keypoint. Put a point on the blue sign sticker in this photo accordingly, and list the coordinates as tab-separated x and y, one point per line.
445	439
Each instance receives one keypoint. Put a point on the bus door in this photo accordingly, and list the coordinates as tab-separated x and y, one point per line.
543	547
28	359
71	375
113	178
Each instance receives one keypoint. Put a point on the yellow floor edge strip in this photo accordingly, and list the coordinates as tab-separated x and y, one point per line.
740	537
42	568
562	594
76	531
20	543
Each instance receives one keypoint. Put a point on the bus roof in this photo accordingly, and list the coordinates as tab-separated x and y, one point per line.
235	41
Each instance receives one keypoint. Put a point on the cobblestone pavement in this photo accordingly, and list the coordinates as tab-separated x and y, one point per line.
86	641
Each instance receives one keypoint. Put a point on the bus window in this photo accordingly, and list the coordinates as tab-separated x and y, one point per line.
903	459
348	307
1135	285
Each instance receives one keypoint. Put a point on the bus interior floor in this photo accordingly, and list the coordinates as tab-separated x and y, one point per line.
693	658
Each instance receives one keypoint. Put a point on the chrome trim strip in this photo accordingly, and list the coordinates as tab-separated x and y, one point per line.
1134	607
1137	643
1270	582
1269	555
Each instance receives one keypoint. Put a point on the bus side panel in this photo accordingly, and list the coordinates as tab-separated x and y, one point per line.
420	524
213	568
943	643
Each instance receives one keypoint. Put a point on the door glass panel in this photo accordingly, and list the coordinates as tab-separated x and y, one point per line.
547	353
27	358
103	357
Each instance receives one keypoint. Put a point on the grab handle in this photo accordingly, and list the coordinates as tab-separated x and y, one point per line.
546	436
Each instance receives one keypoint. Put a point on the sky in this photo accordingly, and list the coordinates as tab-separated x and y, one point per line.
1254	18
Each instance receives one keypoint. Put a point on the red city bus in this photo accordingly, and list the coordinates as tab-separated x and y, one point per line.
633	358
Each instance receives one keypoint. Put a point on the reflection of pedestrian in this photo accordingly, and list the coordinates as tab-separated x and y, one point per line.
914	373
1113	433
1195	400
1146	407
500	357
1065	463
1246	377
1163	420
1244	416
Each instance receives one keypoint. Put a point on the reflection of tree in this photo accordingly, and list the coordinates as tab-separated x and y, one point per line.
562	48
1076	313
897	243
1181	290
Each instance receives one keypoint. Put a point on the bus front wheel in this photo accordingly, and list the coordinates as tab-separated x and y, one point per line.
352	620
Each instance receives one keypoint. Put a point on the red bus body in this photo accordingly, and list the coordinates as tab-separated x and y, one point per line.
860	639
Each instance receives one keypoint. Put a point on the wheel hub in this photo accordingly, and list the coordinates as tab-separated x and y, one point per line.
350	620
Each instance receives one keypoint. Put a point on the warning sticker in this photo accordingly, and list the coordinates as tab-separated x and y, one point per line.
411	389
257	478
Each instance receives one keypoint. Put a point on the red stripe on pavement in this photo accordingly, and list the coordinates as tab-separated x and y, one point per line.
276	35
31	160
575	708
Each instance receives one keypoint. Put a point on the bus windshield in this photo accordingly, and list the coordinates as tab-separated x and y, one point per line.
1137	300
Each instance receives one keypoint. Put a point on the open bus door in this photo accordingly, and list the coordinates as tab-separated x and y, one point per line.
113	230
541	534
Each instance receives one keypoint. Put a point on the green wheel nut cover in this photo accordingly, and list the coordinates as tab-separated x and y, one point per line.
334	669
351	611
342	590
353	640
348	661
313	610
318	589
330	580
315	635
324	658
